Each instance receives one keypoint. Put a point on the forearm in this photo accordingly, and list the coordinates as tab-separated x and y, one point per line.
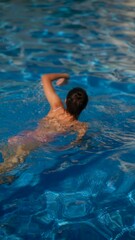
54	76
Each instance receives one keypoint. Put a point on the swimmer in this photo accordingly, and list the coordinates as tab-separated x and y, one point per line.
59	120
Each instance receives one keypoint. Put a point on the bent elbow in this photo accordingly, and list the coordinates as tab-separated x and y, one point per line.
46	77
43	77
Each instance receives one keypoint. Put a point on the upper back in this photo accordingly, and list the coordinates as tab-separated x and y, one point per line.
61	121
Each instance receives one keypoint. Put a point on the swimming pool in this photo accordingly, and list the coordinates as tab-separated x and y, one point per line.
60	192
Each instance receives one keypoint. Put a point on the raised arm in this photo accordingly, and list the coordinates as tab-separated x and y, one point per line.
49	90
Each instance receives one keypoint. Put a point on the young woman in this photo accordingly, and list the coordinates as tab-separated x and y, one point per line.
58	121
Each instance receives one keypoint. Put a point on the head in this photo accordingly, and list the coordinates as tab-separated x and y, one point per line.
76	101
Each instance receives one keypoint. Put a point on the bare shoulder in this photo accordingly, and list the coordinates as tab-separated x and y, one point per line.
82	125
81	128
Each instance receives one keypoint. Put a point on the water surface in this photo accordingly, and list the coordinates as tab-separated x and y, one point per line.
60	192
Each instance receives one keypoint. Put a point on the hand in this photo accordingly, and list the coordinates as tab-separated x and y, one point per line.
62	81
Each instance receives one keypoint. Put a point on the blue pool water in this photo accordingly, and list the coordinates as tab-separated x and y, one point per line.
60	192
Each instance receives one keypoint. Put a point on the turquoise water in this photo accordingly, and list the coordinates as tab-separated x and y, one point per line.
60	192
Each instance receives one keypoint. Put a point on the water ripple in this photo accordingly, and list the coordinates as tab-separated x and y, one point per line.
101	35
61	192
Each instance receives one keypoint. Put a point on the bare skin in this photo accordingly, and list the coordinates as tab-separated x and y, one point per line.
58	121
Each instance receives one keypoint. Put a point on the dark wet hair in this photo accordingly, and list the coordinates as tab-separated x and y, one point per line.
76	101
